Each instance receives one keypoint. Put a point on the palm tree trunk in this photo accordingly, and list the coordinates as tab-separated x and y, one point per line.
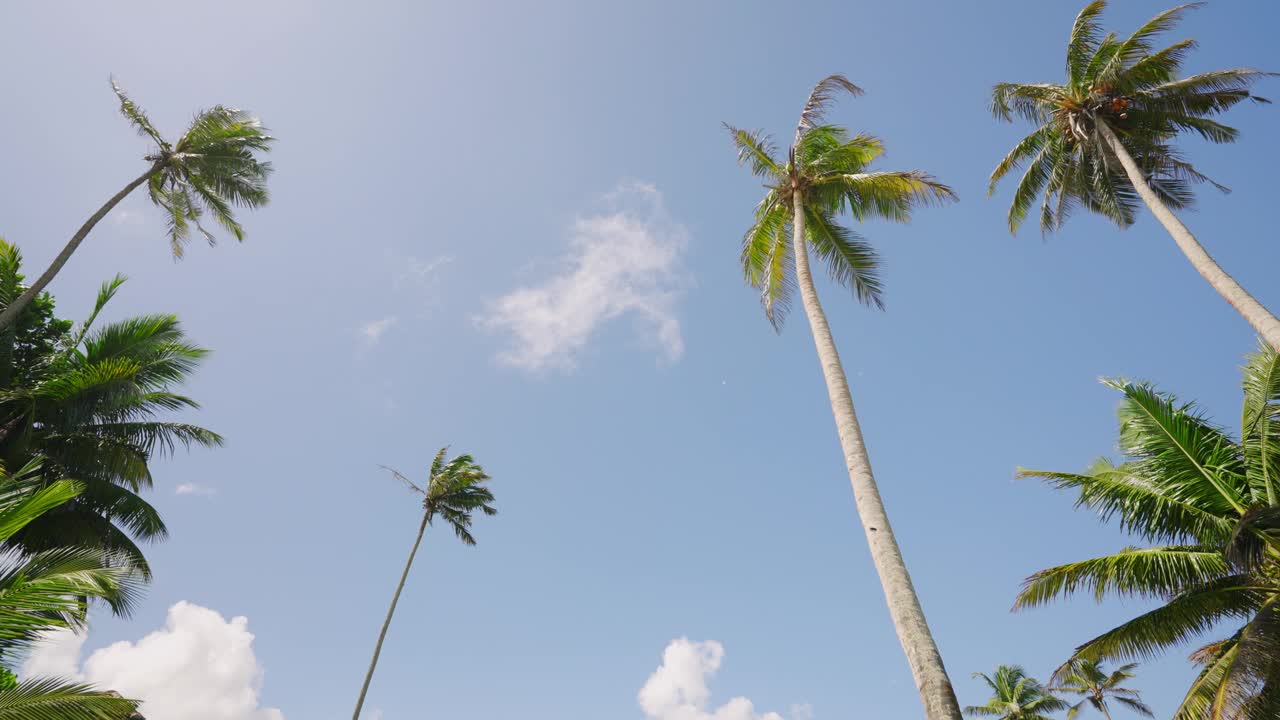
10	313
930	675
377	649
1262	320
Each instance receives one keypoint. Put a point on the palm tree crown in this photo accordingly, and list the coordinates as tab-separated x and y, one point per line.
1016	696
454	491
212	168
1130	88
829	168
94	404
1097	687
1212	502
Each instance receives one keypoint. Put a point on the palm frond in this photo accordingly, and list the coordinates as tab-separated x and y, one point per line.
820	99
55	699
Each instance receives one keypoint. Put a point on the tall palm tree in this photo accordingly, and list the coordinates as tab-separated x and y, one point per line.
94	403
213	168
1103	138
826	173
454	491
1097	687
1016	696
1211	502
47	591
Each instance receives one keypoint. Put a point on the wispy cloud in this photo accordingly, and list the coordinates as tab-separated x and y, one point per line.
625	260
679	689
371	332
199	666
190	488
416	271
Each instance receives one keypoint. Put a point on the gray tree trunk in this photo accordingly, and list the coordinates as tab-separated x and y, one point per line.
1262	320
930	675
10	313
382	635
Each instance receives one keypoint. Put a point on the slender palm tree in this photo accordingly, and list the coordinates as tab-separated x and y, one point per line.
47	591
826	173
94	403
1103	139
1211	502
1016	696
213	168
454	491
1097	687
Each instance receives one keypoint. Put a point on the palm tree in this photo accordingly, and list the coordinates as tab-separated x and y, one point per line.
1017	696
1103	138
213	168
1097	687
1212	503
825	174
455	489
47	591
93	403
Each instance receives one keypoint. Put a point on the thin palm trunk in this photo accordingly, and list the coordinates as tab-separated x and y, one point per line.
930	675
1102	705
382	635
10	313
1262	320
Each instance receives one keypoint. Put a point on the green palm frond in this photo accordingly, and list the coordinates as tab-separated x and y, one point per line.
138	118
55	699
1176	447
756	150
1143	572
849	258
1186	616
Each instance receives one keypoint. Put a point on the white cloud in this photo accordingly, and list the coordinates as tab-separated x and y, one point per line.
372	332
419	271
191	488
678	689
200	666
624	261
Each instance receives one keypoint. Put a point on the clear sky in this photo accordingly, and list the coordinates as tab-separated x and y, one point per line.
514	229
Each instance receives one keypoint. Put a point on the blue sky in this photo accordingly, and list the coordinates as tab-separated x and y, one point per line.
513	229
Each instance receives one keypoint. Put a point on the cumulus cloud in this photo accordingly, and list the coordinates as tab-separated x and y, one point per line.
623	261
190	488
679	689
200	666
372	332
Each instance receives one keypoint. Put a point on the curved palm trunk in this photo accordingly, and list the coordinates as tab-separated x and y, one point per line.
1262	320
382	635
904	607
10	313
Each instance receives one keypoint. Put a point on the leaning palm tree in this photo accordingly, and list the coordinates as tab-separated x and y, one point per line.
1097	687
95	403
48	591
826	173
1211	503
213	168
1103	138
1016	696
454	491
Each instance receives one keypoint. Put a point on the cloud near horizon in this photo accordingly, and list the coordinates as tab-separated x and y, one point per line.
626	260
199	666
679	689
